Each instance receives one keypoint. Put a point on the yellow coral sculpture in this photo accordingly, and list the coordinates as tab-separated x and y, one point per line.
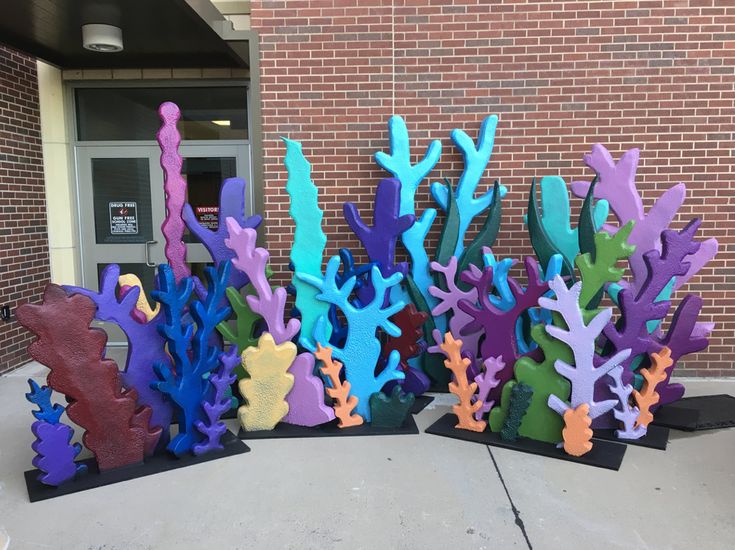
142	305
269	383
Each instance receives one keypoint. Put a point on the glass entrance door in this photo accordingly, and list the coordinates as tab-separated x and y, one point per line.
122	206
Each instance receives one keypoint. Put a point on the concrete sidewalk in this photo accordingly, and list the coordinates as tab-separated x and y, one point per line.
390	492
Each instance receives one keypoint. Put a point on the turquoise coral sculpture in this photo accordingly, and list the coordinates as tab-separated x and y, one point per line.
361	350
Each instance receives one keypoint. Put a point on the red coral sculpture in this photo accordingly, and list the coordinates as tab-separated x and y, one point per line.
115	431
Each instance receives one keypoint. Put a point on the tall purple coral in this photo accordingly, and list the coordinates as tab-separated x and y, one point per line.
685	336
220	379
231	205
637	309
380	239
174	186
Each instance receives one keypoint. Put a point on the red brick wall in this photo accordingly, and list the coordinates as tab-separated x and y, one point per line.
24	260
561	76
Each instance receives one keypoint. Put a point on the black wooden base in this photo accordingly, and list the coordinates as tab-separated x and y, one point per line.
704	412
330	429
657	437
604	454
420	404
157	463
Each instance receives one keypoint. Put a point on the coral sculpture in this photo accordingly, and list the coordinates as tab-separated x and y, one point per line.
460	386
344	403
652	377
219	403
361	350
186	384
269	382
55	454
309	240
116	430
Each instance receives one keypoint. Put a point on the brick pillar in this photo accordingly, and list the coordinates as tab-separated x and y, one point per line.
24	257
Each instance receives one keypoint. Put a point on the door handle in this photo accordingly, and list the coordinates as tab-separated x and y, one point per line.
148	253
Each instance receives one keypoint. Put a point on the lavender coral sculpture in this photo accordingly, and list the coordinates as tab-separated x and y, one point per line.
361	350
54	452
146	346
306	399
219	403
580	338
617	185
476	158
486	381
624	412
380	239
185	383
174	186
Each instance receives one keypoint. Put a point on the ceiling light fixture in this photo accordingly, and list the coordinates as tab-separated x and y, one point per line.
221	122
102	38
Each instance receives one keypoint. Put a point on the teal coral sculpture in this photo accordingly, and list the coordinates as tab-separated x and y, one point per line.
390	412
309	240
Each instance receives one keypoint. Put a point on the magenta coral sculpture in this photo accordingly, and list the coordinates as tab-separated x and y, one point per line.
174	186
500	326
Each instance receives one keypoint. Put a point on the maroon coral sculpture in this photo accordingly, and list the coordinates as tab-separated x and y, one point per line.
115	431
499	326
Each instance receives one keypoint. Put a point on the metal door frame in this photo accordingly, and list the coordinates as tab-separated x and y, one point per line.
83	154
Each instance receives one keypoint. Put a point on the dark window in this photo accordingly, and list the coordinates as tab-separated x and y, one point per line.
131	114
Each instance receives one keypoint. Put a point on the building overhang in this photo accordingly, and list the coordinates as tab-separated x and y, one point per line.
156	33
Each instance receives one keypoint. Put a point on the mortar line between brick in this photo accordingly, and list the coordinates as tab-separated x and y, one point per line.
516	511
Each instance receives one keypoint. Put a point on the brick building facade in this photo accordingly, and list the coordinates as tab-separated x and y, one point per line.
657	75
24	259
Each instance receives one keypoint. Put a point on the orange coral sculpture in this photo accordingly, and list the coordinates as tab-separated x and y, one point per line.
577	432
653	376
460	387
340	391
